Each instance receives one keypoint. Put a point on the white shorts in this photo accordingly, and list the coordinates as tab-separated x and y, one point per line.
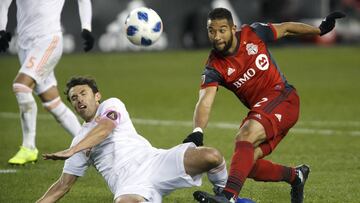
157	176
40	60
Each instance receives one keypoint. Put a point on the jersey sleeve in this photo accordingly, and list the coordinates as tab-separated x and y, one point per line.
4	7
211	77
111	109
77	164
85	12
266	32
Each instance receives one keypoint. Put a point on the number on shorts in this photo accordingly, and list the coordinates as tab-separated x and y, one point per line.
264	99
30	64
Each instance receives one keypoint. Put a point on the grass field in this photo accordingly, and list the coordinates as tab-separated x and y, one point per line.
160	90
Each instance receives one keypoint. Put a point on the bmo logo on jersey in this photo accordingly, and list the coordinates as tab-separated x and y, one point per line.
262	62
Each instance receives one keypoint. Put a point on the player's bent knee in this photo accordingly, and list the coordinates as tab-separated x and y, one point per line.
213	157
21	88
244	134
24	79
130	198
252	135
24	97
52	104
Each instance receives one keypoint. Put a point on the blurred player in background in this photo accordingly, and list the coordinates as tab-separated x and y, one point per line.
40	46
241	62
133	169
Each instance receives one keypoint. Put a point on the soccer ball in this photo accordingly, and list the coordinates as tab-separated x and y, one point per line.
143	26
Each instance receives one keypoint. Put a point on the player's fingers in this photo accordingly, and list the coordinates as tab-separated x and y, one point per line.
51	156
47	156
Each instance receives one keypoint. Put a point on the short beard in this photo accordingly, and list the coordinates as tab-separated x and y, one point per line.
226	47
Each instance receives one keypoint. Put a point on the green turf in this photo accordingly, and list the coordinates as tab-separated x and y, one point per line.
164	86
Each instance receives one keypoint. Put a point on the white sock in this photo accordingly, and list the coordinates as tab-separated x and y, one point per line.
218	176
28	113
64	116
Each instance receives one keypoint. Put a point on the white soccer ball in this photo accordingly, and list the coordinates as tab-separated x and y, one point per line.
143	26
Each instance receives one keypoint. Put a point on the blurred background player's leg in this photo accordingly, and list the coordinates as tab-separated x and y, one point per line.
28	112
53	104
37	72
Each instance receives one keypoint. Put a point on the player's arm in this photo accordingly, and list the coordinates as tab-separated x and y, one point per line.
4	7
58	189
85	12
98	134
5	37
203	107
201	115
295	28
211	78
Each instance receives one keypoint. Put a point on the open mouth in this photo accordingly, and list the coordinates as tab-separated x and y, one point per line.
81	106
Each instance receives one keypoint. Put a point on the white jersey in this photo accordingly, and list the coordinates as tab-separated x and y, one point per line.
128	162
122	145
41	17
38	18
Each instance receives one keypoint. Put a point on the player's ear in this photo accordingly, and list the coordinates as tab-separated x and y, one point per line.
97	96
234	27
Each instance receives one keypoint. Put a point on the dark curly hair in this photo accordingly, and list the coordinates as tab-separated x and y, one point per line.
221	13
80	80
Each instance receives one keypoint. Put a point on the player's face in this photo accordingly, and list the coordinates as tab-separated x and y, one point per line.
84	101
221	35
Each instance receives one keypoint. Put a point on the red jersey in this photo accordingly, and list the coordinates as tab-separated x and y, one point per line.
250	72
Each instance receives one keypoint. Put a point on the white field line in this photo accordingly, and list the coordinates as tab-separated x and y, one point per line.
4	171
223	125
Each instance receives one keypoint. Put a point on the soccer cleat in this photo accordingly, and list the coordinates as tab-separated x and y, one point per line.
23	156
297	189
217	190
204	197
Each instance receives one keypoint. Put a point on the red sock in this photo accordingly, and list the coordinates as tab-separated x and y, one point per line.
264	170
241	165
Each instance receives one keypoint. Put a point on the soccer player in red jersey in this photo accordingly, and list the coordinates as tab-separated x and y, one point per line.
241	62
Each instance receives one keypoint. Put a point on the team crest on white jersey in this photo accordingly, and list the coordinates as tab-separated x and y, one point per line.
252	49
230	71
278	116
262	62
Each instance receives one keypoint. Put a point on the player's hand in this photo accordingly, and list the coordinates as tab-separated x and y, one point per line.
88	40
196	138
329	22
62	155
5	38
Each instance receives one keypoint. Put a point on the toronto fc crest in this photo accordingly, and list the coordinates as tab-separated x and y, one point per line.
252	49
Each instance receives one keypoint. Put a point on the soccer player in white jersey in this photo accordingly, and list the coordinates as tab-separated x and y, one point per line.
40	46
133	169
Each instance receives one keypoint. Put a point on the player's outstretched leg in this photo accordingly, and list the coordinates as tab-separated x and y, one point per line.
204	197
297	189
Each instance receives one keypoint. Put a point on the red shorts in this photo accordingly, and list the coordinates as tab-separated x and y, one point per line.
277	112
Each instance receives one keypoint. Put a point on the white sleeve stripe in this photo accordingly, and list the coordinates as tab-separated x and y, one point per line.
85	12
4	7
